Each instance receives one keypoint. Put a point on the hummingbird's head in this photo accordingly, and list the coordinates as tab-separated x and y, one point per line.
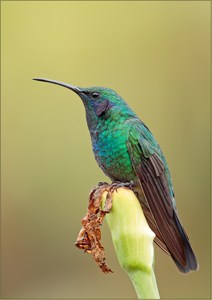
100	103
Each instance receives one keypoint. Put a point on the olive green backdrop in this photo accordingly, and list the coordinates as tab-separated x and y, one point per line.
156	55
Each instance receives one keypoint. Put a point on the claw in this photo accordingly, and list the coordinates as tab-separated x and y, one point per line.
102	183
117	184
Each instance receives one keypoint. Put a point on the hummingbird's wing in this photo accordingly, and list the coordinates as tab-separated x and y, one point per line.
149	165
152	224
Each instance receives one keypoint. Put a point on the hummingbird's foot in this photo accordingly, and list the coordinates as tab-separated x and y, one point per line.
118	184
104	186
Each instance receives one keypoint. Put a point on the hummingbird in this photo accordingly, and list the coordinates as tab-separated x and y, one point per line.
126	151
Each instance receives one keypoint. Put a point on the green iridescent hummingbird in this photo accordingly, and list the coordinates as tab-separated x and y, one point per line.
126	151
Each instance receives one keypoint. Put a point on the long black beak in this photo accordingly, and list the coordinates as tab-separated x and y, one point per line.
68	86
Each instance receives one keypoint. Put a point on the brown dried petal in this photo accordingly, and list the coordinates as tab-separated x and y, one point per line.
90	235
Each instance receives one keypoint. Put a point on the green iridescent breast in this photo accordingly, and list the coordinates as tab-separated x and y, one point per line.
110	149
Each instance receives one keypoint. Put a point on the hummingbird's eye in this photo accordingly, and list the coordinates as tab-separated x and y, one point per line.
95	95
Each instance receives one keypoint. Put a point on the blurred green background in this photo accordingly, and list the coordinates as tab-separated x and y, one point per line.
156	55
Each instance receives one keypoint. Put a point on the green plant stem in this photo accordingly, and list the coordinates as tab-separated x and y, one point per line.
133	242
145	284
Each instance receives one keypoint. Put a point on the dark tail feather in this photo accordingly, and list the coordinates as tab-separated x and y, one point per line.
189	256
191	261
